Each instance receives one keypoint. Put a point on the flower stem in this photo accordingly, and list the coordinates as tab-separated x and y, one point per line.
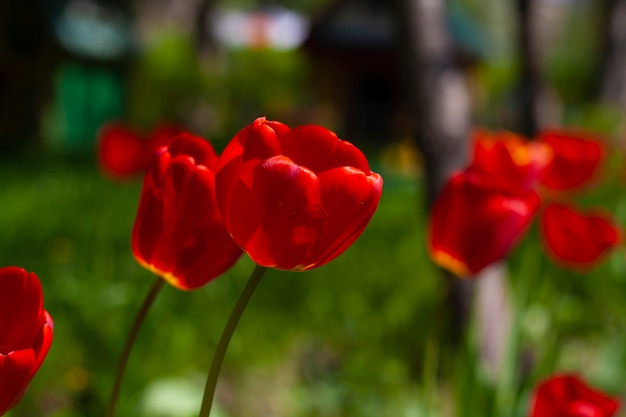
130	341
222	344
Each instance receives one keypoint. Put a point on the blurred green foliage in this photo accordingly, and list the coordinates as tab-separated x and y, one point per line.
218	94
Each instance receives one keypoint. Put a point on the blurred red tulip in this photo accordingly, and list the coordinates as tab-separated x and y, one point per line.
124	153
25	333
296	198
178	232
575	239
162	135
509	156
476	220
576	159
121	151
570	396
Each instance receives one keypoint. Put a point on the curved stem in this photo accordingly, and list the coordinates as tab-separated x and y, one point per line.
222	345
130	341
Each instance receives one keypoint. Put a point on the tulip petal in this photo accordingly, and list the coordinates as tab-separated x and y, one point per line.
178	231
350	198
122	153
15	374
474	222
199	149
576	159
577	240
20	306
319	149
251	145
569	395
163	135
25	333
509	156
151	219
287	218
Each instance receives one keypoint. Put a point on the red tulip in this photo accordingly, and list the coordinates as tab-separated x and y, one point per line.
121	151
576	159
570	396
124	153
296	198
178	232
509	156
476	220
25	333
577	239
162	135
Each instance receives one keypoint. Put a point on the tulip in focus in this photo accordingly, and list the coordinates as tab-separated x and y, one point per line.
570	396
25	333
178	232
575	239
476	220
294	199
575	162
124	153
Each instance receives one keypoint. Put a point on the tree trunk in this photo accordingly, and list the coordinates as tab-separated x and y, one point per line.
537	108
204	36
438	99
439	105
613	84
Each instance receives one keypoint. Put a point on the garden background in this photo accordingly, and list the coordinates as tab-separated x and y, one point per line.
373	333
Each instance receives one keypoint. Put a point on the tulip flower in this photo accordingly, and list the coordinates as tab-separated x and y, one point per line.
124	153
476	220
509	156
575	162
575	239
570	396
294	199
178	232
25	333
121	151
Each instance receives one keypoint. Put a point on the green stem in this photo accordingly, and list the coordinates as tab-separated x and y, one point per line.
222	345
130	341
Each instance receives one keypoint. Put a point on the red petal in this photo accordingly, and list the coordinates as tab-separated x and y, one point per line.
568	395
350	199
122	153
15	374
251	145
199	149
474	223
277	214
43	341
20	307
319	149
576	159
575	239
163	135
509	156
178	231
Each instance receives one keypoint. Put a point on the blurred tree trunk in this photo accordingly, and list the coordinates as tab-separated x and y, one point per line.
536	107
440	106
613	59
204	38
438	99
529	71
